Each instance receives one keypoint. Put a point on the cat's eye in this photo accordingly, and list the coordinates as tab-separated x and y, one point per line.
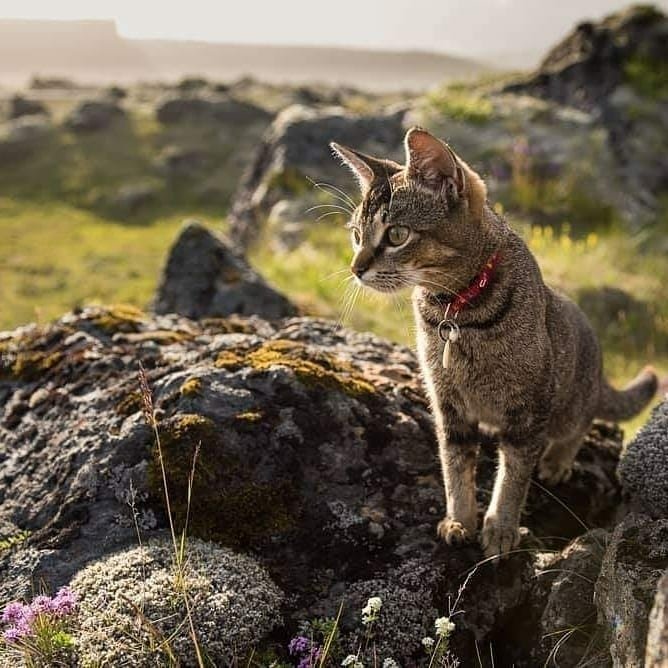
356	236
398	235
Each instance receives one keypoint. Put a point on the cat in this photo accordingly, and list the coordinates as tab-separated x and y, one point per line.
521	362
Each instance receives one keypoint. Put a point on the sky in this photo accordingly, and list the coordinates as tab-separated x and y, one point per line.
465	27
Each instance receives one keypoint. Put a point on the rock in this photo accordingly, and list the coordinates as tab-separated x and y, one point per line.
314	452
132	197
94	115
617	70
593	60
203	277
21	106
568	634
635	559
656	655
181	162
231	597
22	137
643	469
295	149
202	107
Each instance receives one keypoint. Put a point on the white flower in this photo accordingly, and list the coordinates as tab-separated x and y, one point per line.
371	610
390	663
444	627
352	661
427	642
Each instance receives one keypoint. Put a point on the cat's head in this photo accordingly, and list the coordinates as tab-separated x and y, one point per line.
418	223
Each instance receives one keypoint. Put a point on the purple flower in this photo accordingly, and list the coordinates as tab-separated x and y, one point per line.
311	659
13	612
64	602
299	645
41	604
12	634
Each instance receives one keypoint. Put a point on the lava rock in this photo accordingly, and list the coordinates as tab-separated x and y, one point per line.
94	115
203	277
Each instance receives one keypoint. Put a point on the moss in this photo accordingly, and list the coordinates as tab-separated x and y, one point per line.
8	542
228	359
231	325
249	416
163	337
309	366
461	105
290	181
227	504
119	318
130	404
31	365
192	387
647	76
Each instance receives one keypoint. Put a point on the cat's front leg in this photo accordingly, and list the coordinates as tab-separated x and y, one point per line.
458	448
501	526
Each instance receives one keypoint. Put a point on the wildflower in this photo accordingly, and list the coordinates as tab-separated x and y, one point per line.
41	604
352	661
13	612
390	663
12	634
298	645
371	610
427	643
64	602
444	627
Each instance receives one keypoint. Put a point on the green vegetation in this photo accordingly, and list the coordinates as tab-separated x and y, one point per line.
648	76
460	103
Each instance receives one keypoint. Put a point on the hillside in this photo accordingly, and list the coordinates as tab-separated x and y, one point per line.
92	51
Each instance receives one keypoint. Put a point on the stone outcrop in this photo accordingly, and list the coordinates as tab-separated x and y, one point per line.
204	277
313	451
94	115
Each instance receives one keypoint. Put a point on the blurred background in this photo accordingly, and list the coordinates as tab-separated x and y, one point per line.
119	120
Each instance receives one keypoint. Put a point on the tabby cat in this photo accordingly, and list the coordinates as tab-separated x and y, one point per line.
500	352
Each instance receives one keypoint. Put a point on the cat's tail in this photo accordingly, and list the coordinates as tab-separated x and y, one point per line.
615	405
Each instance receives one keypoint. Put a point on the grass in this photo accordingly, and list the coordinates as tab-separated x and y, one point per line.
460	103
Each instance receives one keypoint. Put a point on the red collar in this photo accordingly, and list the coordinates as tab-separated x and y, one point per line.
480	282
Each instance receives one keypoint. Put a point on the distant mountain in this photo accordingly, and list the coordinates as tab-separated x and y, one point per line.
92	51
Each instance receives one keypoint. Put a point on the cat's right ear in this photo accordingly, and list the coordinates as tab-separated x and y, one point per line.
358	163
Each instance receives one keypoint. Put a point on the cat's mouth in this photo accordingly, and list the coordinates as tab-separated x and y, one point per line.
381	282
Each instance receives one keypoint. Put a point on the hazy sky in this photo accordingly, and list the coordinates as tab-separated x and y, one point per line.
469	27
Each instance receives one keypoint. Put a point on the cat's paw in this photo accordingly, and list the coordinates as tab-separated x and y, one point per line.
554	471
497	538
452	531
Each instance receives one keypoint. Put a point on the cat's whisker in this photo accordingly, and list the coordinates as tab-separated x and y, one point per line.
321	185
328	206
330	213
336	273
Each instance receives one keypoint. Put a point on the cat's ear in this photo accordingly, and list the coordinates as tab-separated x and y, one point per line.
433	164
364	167
357	164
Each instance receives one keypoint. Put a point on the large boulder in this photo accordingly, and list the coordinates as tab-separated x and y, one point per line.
625	590
94	115
312	448
203	107
203	277
23	106
295	154
22	137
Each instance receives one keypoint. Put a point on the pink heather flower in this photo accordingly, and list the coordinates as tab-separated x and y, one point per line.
64	602
41	604
13	612
12	634
299	645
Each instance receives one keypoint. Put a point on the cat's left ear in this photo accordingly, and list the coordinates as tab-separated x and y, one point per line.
364	167
433	164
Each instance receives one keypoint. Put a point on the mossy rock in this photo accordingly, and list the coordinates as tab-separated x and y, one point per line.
311	367
227	503
119	318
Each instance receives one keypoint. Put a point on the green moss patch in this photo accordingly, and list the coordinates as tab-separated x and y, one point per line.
119	318
192	387
310	367
8	542
30	356
228	504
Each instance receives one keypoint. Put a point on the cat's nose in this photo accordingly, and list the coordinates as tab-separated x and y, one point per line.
359	268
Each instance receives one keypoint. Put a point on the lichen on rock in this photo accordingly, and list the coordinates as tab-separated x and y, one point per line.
132	610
